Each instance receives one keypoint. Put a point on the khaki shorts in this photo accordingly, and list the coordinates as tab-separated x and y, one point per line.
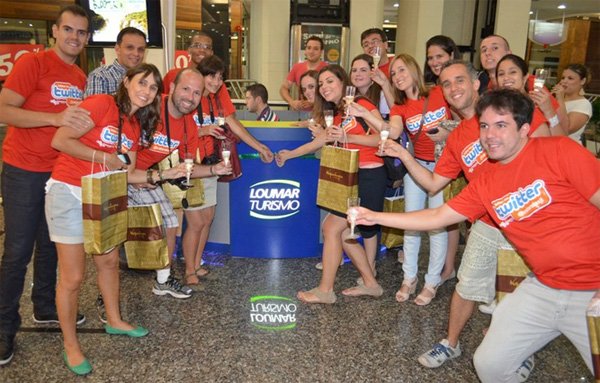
477	271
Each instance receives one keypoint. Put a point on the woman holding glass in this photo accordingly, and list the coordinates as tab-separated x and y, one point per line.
120	123
420	112
329	99
569	92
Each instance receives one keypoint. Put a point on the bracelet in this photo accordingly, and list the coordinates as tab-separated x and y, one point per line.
149	177
160	176
212	171
553	121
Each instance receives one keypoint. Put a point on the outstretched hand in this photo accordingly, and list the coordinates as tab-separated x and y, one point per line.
266	155
364	217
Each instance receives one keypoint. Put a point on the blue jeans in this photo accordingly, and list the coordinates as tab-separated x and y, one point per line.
25	226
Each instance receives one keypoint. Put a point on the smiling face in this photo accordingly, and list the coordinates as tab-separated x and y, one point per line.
213	82
371	41
130	52
308	86
71	36
510	76
330	87
500	136
142	90
401	76
459	89
571	82
313	51
492	49
359	75
200	47
186	94
436	58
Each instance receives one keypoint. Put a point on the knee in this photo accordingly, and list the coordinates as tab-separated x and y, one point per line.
70	282
487	365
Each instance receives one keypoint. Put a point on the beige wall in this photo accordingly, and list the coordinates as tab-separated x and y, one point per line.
417	22
512	21
364	14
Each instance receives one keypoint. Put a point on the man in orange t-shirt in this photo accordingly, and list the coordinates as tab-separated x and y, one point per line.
39	95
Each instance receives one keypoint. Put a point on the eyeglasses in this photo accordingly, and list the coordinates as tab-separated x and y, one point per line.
201	46
368	43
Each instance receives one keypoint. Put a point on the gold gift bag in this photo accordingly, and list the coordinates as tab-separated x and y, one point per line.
146	246
338	178
104	207
194	195
593	322
392	237
511	271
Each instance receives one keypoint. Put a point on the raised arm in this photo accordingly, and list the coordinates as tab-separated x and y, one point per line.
420	220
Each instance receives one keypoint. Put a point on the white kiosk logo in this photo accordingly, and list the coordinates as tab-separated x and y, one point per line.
274	199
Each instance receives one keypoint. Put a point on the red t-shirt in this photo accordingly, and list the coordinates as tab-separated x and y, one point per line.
48	85
169	78
183	134
206	143
300	68
541	201
385	68
411	112
366	154
103	137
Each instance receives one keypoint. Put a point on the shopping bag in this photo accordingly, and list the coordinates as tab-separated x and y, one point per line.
146	246
194	196
593	322
338	178
392	237
510	272
104	207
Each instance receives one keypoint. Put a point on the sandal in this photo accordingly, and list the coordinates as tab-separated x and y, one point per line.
202	272
426	295
360	290
192	275
408	287
318	296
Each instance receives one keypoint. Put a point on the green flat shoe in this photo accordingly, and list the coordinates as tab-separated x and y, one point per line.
81	369
137	332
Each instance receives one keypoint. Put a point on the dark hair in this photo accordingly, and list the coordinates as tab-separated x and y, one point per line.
447	45
320	103
581	70
74	9
500	37
374	92
148	116
129	31
507	101
258	90
202	34
400	97
317	39
468	66
518	61
211	65
370	31
309	73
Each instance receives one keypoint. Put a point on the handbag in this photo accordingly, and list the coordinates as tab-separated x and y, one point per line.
146	246
392	237
104	209
511	271
338	178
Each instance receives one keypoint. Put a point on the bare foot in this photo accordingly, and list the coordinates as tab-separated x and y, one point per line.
360	290
316	296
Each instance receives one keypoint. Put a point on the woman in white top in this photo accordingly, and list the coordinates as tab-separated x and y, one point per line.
569	91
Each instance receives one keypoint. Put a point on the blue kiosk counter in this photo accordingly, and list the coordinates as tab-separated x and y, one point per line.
270	212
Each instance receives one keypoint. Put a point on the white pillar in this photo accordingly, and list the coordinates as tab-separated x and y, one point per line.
512	23
364	14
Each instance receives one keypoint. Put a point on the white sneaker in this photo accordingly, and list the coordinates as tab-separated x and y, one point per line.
525	369
489	308
439	354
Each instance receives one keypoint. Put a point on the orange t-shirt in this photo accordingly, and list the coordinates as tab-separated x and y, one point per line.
206	143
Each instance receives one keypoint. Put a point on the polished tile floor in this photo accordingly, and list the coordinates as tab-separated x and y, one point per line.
210	337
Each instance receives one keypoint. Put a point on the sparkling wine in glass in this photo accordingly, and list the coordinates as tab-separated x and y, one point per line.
328	116
349	97
376	56
353	203
189	165
384	133
541	75
225	153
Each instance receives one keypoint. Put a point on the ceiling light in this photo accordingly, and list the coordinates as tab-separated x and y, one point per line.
531	12
396	5
562	6
386	21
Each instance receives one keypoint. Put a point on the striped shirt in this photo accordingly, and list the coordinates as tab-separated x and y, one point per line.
105	79
267	115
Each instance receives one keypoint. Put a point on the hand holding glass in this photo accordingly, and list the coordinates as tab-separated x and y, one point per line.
541	75
384	133
353	203
376	56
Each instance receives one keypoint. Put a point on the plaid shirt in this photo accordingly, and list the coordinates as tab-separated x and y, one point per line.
105	79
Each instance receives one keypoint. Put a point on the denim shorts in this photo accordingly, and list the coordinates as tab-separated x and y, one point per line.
477	271
64	215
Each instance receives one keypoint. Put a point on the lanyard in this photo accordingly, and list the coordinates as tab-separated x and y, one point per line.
167	128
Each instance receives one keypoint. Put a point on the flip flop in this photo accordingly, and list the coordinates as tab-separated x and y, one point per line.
318	296
360	290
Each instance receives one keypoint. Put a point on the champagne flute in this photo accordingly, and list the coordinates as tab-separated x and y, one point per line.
376	56
353	203
349	97
541	75
328	116
225	152
384	133
189	165
220	121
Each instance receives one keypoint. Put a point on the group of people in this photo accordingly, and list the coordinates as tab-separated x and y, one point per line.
536	192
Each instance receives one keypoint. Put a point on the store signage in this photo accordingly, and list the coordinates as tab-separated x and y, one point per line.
9	53
272	312
274	199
